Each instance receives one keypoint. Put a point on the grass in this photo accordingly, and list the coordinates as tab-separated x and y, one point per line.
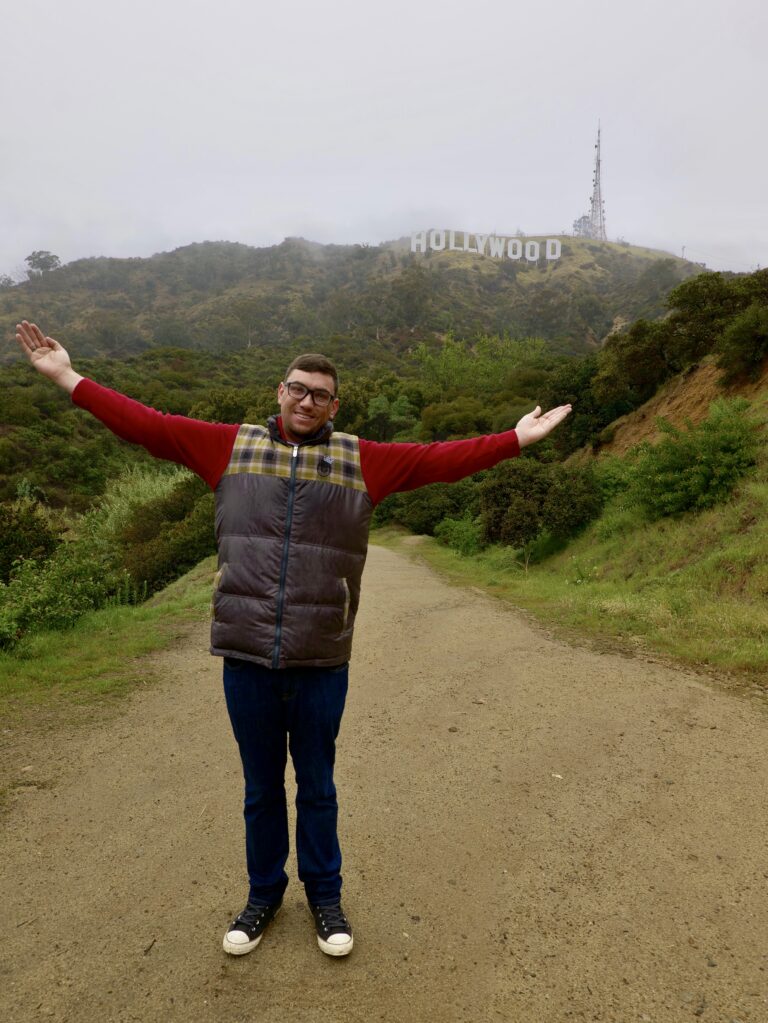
664	587
100	658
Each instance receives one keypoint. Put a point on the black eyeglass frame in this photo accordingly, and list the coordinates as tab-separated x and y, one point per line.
314	391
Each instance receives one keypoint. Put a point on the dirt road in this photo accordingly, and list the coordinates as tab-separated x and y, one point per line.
532	832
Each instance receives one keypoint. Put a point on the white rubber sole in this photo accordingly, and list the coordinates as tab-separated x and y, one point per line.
336	950
243	948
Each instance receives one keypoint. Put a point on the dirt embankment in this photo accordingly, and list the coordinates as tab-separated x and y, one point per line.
531	831
685	397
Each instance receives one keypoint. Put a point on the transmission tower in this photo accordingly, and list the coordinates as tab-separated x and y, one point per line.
592	224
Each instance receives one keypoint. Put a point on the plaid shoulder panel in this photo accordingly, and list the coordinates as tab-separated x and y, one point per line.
254	451
336	461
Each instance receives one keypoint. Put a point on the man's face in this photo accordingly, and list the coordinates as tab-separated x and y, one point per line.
301	416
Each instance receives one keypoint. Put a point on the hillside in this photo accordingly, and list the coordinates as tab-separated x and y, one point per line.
639	530
221	295
686	397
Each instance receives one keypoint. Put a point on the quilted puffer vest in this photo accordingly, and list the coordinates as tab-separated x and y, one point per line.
292	529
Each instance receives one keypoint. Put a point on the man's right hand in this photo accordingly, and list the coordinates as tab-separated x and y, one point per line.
47	355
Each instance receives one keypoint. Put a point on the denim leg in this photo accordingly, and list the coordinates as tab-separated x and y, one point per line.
257	702
314	718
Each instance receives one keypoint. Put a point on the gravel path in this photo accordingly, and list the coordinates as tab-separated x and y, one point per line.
532	832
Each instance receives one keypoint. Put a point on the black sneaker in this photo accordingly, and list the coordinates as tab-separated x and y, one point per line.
334	933
245	931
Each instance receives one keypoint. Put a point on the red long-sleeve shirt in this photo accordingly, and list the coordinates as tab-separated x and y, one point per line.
205	448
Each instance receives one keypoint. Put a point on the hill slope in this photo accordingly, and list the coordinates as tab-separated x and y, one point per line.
686	397
217	295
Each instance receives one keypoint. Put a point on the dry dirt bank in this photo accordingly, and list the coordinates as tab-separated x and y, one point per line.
532	832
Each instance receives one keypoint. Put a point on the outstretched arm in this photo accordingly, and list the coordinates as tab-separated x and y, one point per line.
203	447
47	356
392	468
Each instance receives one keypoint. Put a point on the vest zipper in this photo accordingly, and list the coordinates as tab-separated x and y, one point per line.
284	562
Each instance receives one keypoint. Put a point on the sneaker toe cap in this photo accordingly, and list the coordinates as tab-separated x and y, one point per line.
237	937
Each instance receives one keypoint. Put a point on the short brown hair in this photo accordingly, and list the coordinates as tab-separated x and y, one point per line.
313	362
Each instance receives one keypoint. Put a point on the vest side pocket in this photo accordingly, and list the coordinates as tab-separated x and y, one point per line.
216	584
345	584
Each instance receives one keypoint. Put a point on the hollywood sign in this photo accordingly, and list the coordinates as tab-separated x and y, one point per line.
485	245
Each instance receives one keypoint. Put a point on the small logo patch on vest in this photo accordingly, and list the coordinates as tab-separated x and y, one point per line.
325	465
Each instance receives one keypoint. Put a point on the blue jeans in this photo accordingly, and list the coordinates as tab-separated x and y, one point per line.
301	709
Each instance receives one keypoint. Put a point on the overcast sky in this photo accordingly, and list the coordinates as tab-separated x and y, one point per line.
135	127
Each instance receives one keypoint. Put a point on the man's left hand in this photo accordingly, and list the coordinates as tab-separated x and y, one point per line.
535	426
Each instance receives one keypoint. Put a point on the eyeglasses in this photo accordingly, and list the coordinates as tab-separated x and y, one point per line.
320	396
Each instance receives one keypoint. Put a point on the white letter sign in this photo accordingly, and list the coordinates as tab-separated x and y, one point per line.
419	241
497	245
514	248
433	243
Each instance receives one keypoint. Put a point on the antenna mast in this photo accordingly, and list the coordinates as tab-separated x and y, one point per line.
592	224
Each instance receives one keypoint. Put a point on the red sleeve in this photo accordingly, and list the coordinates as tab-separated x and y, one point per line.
203	447
389	468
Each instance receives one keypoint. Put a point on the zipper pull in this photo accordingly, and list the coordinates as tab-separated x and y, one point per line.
295	451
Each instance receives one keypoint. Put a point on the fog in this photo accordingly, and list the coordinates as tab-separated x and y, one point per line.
132	128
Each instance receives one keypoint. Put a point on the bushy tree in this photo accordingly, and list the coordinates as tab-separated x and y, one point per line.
25	533
224	405
464	535
355	395
521	499
743	347
165	537
421	510
700	308
633	363
388	417
572	382
40	262
410	296
698	466
460	417
478	368
712	311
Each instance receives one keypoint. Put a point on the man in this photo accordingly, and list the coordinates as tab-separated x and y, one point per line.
293	508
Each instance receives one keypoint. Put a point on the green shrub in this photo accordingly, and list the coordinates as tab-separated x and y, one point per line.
460	417
573	499
167	538
743	346
157	525
25	533
613	476
421	510
521	499
698	466
463	535
633	363
148	529
544	546
53	595
133	488
509	504
511	500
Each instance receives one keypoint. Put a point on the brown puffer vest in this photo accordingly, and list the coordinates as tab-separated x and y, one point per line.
292	528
